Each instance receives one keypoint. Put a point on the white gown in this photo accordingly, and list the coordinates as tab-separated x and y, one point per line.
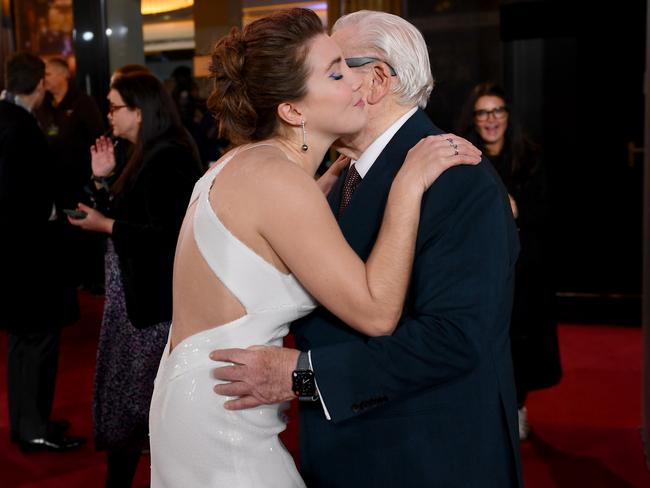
195	442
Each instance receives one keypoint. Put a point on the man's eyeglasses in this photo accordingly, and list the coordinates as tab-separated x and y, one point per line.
497	112
358	62
113	108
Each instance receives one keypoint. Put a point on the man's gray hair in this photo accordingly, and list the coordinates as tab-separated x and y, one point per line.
398	43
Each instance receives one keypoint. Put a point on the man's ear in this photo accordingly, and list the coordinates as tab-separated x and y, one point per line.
290	114
380	84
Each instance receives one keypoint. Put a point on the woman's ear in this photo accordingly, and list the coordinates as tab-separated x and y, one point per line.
290	114
138	115
380	83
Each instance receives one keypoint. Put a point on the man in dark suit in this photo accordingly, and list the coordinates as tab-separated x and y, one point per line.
434	404
34	302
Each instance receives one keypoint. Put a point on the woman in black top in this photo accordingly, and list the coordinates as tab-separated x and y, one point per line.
488	122
142	213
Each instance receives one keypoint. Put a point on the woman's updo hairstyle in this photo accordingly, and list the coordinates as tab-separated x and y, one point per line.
257	69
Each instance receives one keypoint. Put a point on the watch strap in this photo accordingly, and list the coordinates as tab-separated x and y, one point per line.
303	362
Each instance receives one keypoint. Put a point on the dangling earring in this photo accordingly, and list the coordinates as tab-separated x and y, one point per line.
304	136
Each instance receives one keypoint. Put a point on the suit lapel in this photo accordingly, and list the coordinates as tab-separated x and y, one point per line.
334	197
362	218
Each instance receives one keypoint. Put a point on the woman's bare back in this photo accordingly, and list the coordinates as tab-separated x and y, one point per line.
201	300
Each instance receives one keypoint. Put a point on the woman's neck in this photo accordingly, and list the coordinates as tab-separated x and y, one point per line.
308	160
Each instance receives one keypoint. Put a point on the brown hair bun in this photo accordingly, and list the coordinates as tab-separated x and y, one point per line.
256	69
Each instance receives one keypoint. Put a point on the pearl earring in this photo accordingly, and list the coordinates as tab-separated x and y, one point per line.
304	136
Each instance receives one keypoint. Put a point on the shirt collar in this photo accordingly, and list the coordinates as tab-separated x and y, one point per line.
10	97
370	155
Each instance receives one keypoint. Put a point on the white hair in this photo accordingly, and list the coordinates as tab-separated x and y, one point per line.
398	43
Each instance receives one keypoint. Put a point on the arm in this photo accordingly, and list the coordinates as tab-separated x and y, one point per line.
103	164
164	191
367	296
460	289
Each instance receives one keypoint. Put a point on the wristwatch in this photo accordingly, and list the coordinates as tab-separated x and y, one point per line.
303	382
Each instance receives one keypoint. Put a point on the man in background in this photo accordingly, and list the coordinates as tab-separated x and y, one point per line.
34	300
72	122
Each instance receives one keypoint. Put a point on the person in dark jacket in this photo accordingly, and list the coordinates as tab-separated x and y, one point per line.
35	300
142	213
488	122
72	121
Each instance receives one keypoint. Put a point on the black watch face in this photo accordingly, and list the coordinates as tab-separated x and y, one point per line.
303	383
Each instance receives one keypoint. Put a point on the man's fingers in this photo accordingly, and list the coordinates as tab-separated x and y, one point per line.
242	403
236	389
237	356
229	373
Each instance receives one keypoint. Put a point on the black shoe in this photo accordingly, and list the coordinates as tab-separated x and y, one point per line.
56	444
55	429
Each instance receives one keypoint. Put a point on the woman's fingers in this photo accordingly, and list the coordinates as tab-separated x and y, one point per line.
457	143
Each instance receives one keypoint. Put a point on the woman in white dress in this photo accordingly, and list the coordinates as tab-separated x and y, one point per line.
259	241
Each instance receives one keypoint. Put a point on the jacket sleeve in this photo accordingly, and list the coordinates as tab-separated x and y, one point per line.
462	262
165	191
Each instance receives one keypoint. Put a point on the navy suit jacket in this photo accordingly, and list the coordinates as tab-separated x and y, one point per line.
434	404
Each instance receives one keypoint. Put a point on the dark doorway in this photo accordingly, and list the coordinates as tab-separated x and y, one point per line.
579	71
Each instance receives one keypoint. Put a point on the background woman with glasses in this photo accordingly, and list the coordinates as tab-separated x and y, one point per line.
488	122
142	211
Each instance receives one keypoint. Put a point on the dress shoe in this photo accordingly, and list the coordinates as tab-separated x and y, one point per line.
56	444
55	428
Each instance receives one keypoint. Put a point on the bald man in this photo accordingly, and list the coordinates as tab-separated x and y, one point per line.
72	121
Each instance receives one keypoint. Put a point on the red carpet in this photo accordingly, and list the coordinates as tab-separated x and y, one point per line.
585	431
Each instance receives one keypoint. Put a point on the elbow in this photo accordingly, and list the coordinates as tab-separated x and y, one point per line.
383	326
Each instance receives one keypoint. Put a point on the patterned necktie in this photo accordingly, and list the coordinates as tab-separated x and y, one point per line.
352	180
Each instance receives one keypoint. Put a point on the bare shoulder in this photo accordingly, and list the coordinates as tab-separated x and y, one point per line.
264	180
267	171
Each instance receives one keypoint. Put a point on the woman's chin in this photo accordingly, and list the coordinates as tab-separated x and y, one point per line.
491	137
